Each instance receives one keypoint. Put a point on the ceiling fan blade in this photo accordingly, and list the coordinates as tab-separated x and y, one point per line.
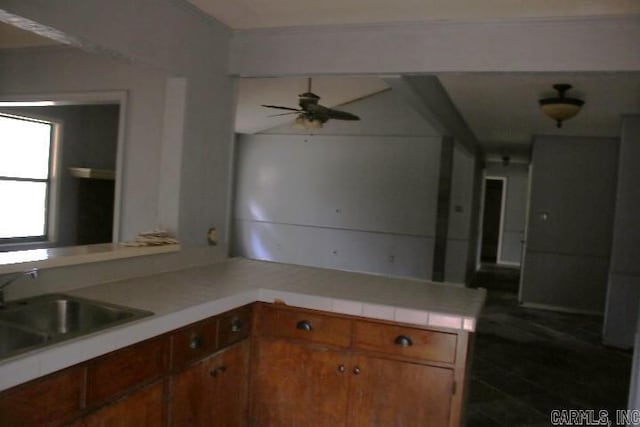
283	114
281	108
341	115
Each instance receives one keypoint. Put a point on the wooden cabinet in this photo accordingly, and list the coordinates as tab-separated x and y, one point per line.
46	402
143	408
386	392
213	392
368	374
131	387
298	385
115	373
300	368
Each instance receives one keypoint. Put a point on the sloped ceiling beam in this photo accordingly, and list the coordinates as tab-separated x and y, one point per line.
427	96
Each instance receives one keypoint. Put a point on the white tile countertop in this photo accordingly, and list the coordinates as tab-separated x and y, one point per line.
183	297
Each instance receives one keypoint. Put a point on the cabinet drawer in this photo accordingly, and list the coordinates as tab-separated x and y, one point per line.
305	325
193	342
117	372
404	341
234	326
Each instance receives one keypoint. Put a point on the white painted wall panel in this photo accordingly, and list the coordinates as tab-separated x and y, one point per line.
62	70
565	281
511	247
458	234
455	269
381	253
623	292
621	315
382	184
175	37
567	259
461	194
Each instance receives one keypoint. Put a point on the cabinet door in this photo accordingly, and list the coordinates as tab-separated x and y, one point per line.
144	408
393	393
298	385
48	402
213	393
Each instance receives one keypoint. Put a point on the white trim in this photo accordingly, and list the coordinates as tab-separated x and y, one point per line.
526	232
503	206
559	308
509	264
481	221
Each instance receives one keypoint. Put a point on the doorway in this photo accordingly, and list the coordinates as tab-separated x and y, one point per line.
492	219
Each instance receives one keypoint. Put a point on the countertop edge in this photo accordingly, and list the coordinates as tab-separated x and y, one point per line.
41	362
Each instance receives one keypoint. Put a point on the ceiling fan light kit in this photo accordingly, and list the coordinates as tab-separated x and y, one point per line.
561	107
307	123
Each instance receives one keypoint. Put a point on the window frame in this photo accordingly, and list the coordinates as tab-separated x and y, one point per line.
50	180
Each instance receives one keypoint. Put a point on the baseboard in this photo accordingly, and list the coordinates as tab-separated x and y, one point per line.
560	309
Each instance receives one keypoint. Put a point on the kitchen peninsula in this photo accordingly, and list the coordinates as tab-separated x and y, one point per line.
250	323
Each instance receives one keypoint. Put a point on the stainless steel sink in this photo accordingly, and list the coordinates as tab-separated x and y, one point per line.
56	317
13	339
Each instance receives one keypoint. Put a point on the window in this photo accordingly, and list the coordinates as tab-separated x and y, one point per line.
25	153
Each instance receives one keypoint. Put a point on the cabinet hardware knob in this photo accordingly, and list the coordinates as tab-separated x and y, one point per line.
236	325
403	341
219	370
341	368
196	342
356	370
304	325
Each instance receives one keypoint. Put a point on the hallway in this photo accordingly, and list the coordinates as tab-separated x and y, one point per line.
528	362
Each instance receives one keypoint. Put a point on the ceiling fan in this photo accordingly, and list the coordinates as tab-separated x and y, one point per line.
311	114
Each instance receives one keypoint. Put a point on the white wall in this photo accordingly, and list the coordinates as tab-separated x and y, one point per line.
623	292
350	202
175	37
517	176
182	42
573	182
65	70
460	216
356	195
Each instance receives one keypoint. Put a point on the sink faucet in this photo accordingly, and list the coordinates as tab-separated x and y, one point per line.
33	273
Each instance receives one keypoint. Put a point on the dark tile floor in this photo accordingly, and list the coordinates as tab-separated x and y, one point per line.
528	362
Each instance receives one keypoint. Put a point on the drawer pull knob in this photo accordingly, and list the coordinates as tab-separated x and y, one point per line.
219	370
236	325
356	370
403	341
196	342
304	325
341	368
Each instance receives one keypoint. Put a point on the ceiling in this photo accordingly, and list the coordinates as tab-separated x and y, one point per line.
244	14
13	38
502	108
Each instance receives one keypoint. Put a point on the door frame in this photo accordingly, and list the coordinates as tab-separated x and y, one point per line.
503	202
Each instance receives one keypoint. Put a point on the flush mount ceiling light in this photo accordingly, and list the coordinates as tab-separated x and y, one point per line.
561	108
